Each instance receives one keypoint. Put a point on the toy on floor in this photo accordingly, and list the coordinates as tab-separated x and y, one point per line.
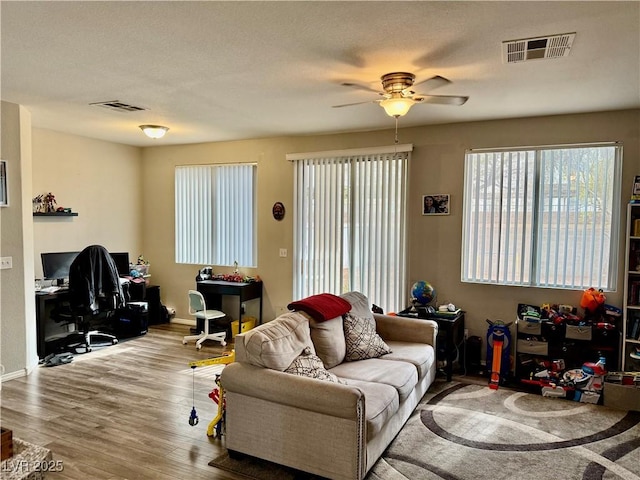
193	417
216	425
498	344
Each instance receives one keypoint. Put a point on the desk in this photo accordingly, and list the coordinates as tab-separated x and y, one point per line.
47	301
213	290
450	336
42	301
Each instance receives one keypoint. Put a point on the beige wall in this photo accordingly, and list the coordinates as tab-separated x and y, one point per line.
434	242
124	196
438	167
99	180
17	311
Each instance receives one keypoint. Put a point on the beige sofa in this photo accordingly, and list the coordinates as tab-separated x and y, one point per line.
333	429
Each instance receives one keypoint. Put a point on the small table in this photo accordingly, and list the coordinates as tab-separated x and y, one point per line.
213	290
450	335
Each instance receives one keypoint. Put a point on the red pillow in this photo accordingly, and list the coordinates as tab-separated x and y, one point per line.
321	307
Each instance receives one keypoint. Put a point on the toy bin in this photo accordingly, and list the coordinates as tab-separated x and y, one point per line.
141	269
622	397
247	324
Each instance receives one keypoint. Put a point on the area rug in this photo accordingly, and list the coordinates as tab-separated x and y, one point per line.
462	431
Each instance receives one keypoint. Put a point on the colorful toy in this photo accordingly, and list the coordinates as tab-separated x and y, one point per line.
216	426
498	343
217	395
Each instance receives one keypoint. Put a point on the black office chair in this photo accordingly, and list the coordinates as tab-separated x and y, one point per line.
95	295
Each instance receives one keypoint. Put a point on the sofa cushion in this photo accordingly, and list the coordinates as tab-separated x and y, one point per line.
402	376
419	354
321	307
328	340
359	304
276	344
380	404
361	339
309	365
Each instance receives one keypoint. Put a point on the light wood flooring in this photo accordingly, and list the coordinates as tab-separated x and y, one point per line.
121	412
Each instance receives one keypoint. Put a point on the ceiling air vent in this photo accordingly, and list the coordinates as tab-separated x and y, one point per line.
118	106
554	46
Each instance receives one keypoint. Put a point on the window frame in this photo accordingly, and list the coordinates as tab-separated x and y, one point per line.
199	224
613	232
351	162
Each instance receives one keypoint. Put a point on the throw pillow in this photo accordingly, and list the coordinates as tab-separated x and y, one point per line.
277	343
362	340
359	302
328	340
321	307
309	365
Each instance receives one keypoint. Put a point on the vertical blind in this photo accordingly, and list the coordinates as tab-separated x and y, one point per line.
544	216
215	214
350	225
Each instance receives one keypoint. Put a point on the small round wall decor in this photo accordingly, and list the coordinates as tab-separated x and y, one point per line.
278	211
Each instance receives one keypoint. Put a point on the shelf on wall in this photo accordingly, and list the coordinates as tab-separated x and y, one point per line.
55	214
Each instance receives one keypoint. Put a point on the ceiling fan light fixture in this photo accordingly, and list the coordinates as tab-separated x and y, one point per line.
397	107
154	131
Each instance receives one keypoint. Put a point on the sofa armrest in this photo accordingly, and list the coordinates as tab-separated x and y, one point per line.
338	400
404	329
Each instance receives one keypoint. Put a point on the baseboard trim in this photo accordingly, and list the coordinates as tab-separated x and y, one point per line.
23	372
183	321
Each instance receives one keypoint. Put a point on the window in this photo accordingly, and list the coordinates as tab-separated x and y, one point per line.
350	222
545	217
215	214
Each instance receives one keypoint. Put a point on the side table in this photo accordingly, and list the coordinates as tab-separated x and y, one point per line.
450	335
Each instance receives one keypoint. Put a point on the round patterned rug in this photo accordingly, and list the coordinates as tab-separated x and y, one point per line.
461	431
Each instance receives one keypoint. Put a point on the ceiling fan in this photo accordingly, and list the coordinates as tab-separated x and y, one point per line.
399	94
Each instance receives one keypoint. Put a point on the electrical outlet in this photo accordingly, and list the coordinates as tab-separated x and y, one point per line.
283	252
466	333
6	263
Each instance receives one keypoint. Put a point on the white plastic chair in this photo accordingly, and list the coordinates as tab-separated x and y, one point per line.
198	307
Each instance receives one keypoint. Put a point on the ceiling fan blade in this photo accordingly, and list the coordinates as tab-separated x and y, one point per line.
433	82
361	87
441	99
352	104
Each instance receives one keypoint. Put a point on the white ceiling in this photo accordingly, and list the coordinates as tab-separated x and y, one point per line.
214	71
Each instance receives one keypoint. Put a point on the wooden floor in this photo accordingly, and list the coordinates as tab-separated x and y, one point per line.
121	412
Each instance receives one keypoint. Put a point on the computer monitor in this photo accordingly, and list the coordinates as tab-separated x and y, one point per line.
122	262
55	265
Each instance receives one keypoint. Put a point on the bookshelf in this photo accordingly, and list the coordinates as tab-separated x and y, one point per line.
631	309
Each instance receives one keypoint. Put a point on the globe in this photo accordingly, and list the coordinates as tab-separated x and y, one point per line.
423	293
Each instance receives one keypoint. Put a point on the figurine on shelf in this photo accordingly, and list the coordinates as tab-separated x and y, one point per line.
38	204
49	202
46	203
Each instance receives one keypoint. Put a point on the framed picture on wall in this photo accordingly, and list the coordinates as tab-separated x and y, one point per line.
635	194
4	196
435	204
